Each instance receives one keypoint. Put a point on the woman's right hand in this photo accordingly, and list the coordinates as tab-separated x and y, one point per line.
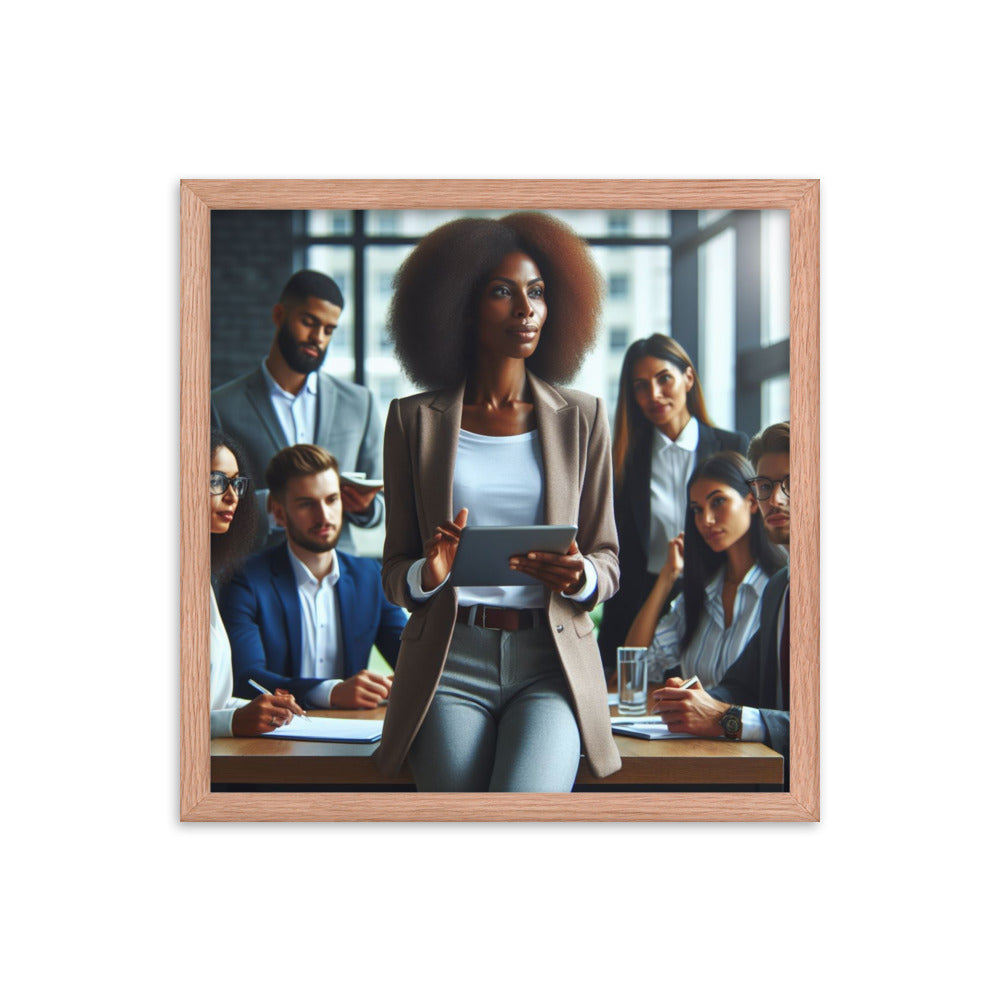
440	549
674	566
264	714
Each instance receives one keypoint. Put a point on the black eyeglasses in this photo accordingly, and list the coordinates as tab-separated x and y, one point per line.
219	482
763	487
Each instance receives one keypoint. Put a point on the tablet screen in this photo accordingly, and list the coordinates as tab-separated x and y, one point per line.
484	552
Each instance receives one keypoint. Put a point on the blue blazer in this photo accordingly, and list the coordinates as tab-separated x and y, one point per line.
753	678
260	607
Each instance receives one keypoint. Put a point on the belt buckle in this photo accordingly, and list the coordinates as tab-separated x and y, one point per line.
503	614
493	628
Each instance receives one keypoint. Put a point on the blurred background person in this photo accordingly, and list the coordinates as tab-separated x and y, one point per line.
662	430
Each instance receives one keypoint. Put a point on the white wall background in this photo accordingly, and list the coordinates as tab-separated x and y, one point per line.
107	106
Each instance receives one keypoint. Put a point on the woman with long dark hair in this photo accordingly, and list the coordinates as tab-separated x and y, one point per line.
232	526
497	688
726	560
662	430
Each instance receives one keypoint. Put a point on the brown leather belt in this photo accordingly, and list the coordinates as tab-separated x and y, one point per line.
507	619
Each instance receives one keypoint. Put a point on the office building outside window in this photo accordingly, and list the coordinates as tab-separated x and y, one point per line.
717	281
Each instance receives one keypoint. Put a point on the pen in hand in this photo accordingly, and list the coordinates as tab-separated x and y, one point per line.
264	690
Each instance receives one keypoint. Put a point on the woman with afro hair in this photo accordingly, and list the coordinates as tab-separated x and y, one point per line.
497	688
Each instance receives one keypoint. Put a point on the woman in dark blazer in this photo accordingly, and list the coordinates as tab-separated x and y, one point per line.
497	689
662	431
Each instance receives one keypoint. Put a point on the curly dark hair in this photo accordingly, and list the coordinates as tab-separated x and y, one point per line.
432	315
700	562
229	549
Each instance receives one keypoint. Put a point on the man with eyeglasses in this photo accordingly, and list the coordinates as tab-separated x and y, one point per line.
288	400
302	616
751	702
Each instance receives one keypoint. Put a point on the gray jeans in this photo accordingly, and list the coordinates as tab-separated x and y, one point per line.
501	719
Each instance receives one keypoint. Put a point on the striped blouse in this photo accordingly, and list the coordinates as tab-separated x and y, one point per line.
713	647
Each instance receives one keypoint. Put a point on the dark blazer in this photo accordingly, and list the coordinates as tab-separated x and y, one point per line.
260	607
753	678
421	442
347	425
632	505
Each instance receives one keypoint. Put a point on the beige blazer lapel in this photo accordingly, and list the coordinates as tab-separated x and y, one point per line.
438	424
558	434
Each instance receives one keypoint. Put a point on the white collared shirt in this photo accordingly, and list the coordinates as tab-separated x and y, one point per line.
713	647
295	413
322	648
670	469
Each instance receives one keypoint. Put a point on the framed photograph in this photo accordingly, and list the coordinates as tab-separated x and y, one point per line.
730	268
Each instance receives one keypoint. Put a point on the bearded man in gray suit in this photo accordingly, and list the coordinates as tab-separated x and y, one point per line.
288	400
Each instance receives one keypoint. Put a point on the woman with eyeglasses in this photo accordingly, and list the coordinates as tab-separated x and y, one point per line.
232	526
726	559
661	432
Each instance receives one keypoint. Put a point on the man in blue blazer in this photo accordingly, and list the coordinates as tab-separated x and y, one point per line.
751	702
288	400
301	616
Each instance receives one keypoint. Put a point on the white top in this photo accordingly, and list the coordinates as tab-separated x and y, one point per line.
713	647
322	649
501	482
670	469
222	704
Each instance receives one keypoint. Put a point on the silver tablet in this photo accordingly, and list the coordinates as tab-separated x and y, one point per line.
484	552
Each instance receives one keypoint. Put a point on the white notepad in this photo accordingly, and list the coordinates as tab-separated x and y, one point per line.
646	727
330	730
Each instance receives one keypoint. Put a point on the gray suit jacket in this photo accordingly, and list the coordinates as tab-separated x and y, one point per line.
753	678
347	425
421	442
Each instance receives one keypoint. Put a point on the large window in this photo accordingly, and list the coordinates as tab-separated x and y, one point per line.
715	280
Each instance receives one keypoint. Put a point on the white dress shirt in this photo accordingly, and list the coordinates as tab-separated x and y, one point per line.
713	647
670	469
322	648
295	412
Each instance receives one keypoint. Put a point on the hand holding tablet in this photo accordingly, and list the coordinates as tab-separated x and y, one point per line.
357	491
485	556
563	573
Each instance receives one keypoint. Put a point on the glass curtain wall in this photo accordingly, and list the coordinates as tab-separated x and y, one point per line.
715	280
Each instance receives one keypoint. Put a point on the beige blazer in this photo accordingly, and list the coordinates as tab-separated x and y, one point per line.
421	442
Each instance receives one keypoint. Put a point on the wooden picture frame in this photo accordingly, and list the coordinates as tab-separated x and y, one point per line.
198	198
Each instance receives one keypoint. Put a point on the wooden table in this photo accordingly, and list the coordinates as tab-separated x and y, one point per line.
290	763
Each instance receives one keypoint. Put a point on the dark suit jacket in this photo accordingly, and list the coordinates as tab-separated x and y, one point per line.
632	516
753	678
347	425
421	442
260	607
